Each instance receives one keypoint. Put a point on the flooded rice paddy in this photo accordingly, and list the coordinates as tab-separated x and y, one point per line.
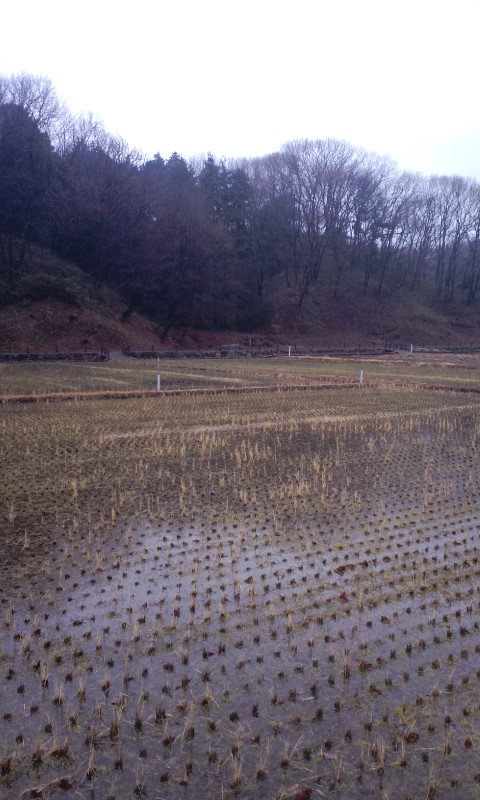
272	595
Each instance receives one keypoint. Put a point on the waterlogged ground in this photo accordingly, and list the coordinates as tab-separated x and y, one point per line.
269	596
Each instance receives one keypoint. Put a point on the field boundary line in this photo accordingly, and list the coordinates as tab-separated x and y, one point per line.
55	397
128	394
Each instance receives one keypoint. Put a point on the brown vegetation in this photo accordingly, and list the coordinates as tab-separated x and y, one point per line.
50	324
260	594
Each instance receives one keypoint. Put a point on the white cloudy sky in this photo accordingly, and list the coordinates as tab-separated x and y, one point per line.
399	77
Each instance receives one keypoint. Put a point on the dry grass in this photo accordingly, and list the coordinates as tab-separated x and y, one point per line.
265	594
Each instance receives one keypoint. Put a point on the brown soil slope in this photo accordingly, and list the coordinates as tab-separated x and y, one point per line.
53	325
50	324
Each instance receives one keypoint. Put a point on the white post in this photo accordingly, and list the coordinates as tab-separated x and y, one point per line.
158	374
289	351
361	377
411	349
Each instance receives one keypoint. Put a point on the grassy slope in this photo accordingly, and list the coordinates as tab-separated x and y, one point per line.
50	323
54	304
71	314
399	317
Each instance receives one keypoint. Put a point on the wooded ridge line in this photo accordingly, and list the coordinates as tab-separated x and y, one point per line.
209	245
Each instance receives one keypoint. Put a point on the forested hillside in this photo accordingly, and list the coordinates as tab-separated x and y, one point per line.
215	244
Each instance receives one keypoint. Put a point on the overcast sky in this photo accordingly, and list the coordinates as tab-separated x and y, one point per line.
399	77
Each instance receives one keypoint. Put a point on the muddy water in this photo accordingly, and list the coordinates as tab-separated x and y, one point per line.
227	652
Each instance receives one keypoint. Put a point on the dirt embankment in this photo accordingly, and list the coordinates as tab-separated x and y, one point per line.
51	324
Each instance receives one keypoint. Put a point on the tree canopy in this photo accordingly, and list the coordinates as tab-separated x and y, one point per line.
208	246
